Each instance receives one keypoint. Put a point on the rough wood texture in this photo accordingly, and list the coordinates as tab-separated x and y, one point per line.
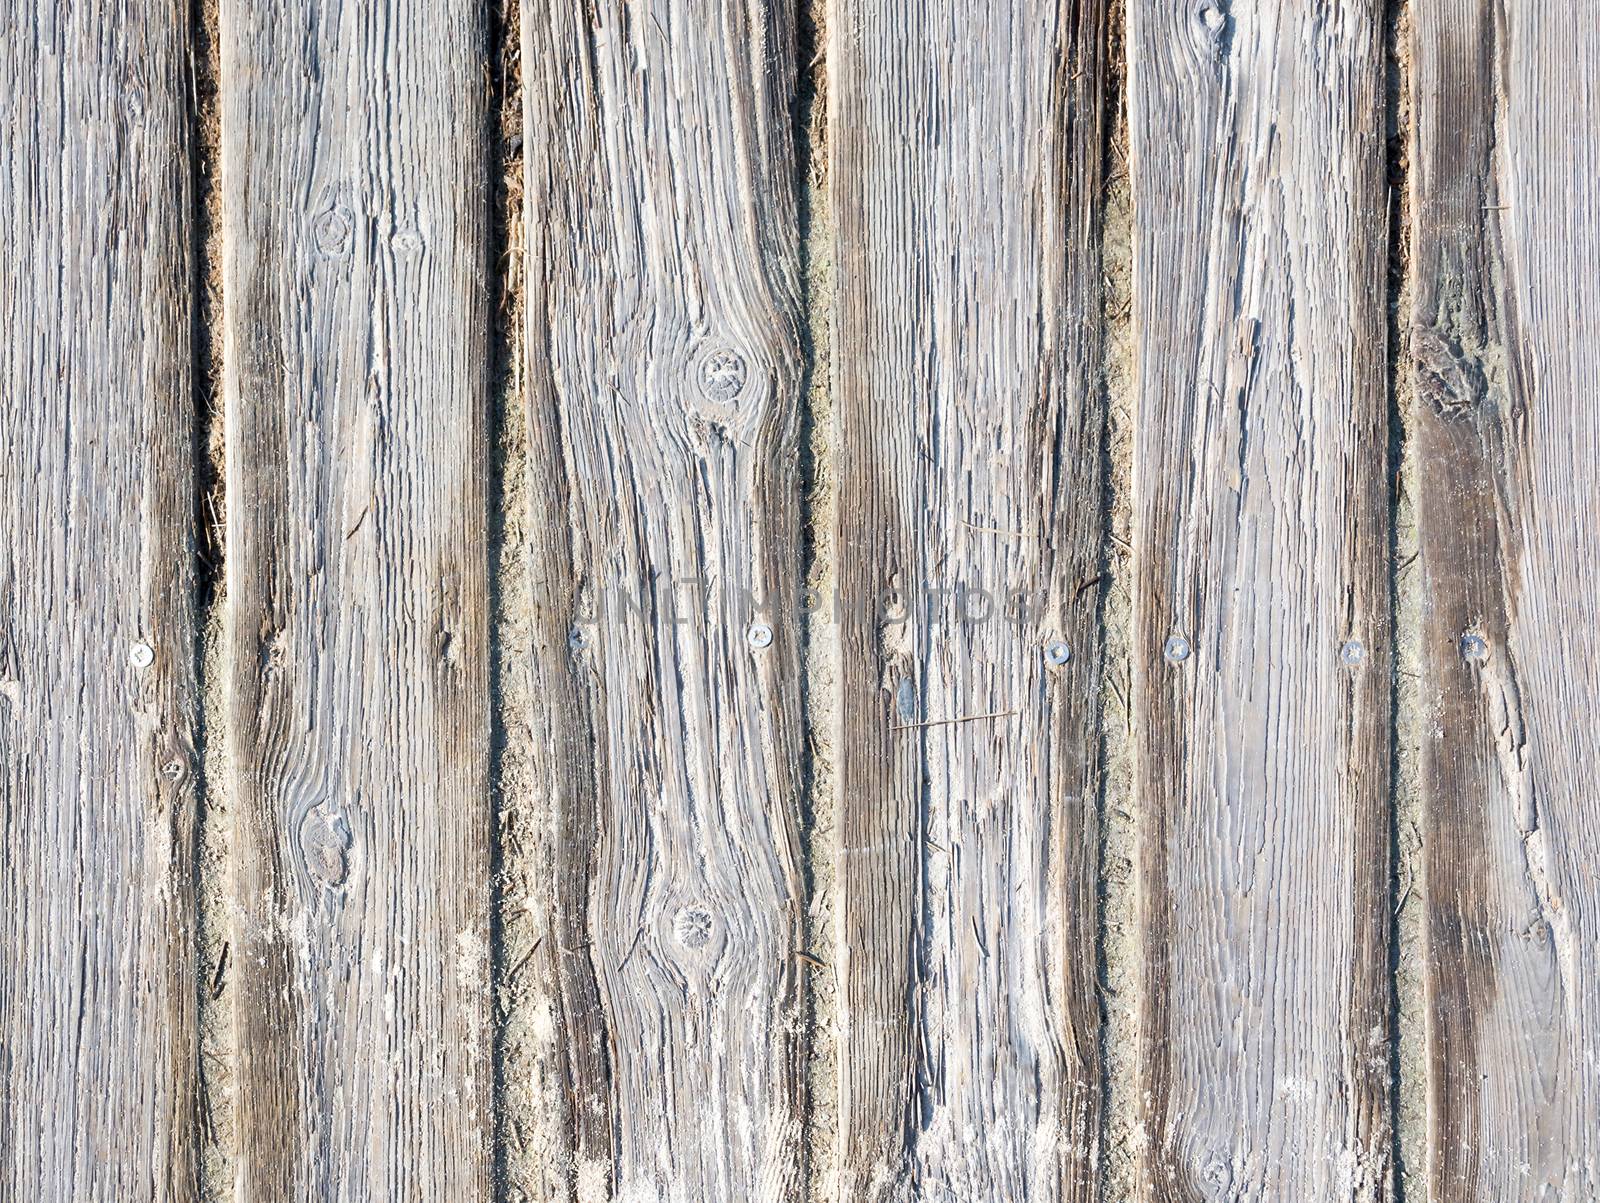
966	145
664	367
97	765
1505	326
355	219
1260	531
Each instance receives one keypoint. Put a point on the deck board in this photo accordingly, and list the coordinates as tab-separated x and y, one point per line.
663	372
97	744
355	268
1504	371
1261	641
966	144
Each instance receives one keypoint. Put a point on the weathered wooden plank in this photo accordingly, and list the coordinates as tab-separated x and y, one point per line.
355	221
1262	627
1504	328
663	372
97	646
966	146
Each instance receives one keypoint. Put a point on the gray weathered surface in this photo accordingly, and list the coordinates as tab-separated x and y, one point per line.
355	220
1260	538
658	1040
97	768
966	144
663	370
1505	329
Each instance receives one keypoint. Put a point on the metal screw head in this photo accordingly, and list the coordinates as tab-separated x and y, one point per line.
1176	649
141	655
577	640
760	635
1352	652
1057	653
1474	647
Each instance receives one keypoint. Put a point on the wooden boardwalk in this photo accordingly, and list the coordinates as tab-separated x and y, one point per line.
664	602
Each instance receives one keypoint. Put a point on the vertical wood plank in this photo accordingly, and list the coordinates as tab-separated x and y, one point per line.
1262	628
663	373
966	144
97	647
354	227
1506	236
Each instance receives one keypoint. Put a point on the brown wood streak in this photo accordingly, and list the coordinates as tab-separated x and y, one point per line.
1506	216
664	369
966	147
354	243
1260	537
1454	320
97	764
574	764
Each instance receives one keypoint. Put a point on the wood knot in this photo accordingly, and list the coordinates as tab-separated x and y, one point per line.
1216	25
692	926
724	375
135	104
1216	1173
407	240
274	650
445	650
333	231
324	839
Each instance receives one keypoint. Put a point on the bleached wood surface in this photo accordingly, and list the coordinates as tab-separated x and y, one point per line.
1503	359
354	260
97	642
1261	638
